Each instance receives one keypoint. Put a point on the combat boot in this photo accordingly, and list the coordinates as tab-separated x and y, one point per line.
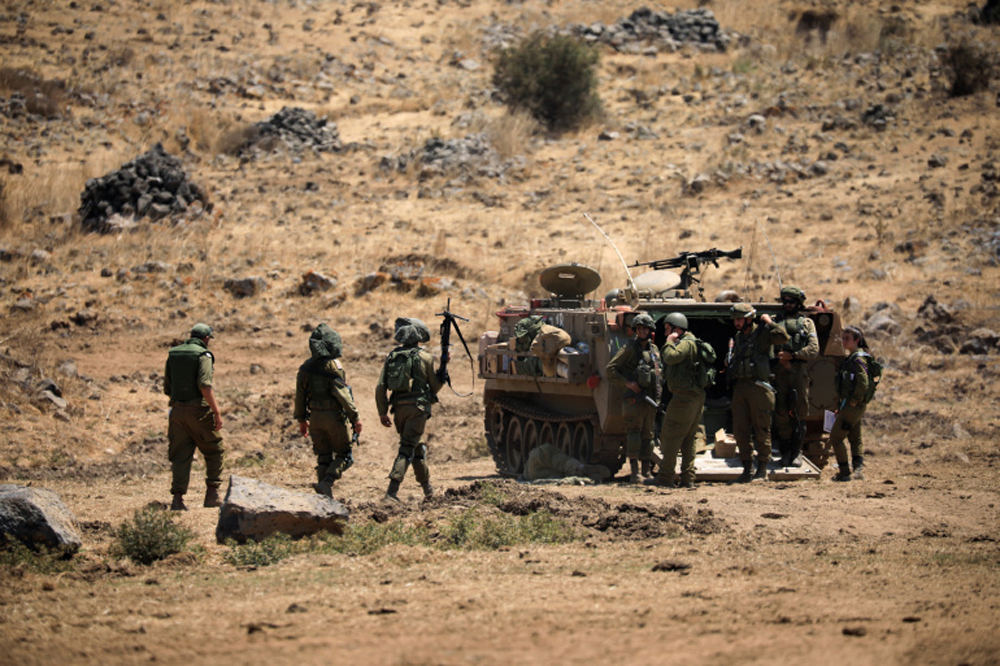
178	503
428	489
212	497
844	474
633	477
325	487
390	494
747	474
761	472
647	468
859	467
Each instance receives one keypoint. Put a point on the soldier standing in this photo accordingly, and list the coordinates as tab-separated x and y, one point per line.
636	366
195	421
324	404
853	382
791	376
749	369
683	414
408	386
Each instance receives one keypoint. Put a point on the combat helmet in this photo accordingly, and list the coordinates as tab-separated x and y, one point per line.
742	310
643	319
677	319
793	293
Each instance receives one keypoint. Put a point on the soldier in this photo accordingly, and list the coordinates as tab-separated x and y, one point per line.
548	461
408	374
195	421
636	366
853	383
683	415
324	404
749	368
791	376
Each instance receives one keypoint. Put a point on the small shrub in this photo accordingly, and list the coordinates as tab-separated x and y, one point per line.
554	78
473	531
271	550
368	538
970	66
235	140
151	535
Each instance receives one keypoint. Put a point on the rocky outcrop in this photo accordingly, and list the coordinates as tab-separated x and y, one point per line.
37	517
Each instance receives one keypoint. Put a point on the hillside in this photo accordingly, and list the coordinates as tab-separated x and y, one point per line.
823	138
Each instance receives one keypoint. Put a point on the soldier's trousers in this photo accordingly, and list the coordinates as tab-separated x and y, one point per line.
331	441
548	461
639	417
192	427
786	382
679	432
848	425
752	407
410	421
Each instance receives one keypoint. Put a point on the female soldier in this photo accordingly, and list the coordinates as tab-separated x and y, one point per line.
853	381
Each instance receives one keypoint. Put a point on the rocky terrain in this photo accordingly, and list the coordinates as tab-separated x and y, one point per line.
264	167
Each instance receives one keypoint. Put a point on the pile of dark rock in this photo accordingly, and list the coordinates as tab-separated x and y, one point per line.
464	159
153	185
296	130
647	29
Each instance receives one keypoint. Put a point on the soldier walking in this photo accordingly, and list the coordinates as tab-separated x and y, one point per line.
791	376
324	404
195	421
749	369
683	414
636	366
408	386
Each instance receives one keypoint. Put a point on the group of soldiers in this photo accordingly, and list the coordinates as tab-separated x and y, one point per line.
644	371
324	408
766	368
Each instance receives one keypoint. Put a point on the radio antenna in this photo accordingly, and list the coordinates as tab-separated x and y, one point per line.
631	292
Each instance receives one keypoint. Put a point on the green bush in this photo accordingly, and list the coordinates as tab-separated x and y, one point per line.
264	553
553	78
969	66
473	531
151	535
14	554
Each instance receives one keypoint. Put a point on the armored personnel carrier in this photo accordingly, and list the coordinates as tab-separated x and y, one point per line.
572	404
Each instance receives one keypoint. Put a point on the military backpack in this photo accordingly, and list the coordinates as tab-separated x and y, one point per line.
704	364
874	375
400	369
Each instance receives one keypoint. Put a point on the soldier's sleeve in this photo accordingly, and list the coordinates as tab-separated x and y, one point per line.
676	352
811	350
860	370
776	334
342	391
617	364
205	371
166	377
432	379
301	413
381	394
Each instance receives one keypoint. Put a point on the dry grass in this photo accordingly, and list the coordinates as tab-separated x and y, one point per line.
45	98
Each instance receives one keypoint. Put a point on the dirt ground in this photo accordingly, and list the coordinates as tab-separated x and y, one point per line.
901	215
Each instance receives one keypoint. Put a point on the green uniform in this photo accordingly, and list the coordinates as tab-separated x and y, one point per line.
640	363
792	383
548	461
852	384
410	410
323	398
191	424
753	396
682	418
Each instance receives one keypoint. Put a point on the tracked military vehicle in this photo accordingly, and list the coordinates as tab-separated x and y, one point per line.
570	402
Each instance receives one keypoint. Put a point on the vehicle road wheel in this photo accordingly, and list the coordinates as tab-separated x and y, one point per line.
547	433
583	442
515	445
530	436
564	438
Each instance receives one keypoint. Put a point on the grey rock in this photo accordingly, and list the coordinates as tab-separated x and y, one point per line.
314	281
937	313
37	517
254	510
881	324
937	161
50	398
245	287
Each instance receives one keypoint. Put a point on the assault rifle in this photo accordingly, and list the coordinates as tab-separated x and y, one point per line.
449	321
690	263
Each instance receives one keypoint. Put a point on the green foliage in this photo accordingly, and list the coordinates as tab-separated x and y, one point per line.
370	537
151	535
969	66
491	494
554	78
271	550
14	554
473	531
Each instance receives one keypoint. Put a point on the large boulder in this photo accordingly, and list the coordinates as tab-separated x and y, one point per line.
37	517
254	510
